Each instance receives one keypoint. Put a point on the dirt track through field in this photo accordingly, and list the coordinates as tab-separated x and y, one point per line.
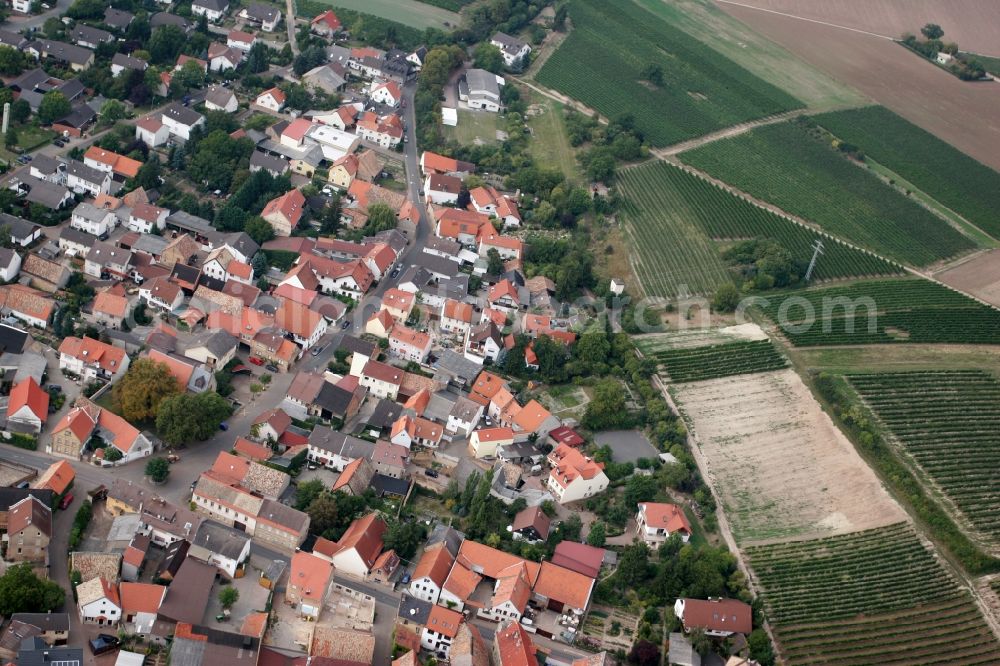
780	466
959	112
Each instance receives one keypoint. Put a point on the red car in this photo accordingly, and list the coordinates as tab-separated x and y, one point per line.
256	361
66	501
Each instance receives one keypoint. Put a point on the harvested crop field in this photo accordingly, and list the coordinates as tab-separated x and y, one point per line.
924	94
781	468
974	24
979	276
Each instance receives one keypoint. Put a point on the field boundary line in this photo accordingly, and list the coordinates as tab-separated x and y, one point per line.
808	20
727	132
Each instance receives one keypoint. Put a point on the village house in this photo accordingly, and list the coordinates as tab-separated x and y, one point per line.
162	293
431	163
439	189
98	602
180	120
326	24
489	201
92	220
382	380
107	261
213	10
334	449
92	359
310	580
358	549
222	57
220	545
29	530
242	41
140	602
284	213
390	459
10	264
718	618
85	180
273	100
574	476
656	522
388	93
145	217
409	344
485	441
531	524
440	630
513	50
27	406
431	572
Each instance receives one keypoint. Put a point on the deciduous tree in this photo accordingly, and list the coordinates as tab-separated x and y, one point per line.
21	591
143	388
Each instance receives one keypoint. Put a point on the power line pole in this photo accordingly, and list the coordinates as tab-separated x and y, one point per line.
817	250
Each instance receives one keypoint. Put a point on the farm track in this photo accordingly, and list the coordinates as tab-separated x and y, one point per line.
725	133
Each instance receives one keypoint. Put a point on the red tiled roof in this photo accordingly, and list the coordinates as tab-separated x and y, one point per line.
79	422
141	597
434	564
311	575
297	129
565	585
179	369
93	352
289	205
252	450
57	477
514	646
444	621
669	517
383	372
328	18
27	393
364	536
718	615
579	557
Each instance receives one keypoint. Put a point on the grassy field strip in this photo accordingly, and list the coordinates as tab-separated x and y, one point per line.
408	12
655	342
872	597
948	422
549	141
603	64
898	358
793	168
706	22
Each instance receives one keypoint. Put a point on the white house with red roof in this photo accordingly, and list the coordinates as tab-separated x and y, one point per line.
295	134
440	630
243	41
574	476
358	549
151	131
284	213
304	325
98	602
409	344
440	189
507	246
145	217
489	201
381	379
656	522
92	359
715	616
326	24
380	259
223	265
435	163
272	100
456	317
27	406
388	93
310	580
222	57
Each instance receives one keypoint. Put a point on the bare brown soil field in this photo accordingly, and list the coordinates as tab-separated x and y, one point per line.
979	276
781	467
959	112
974	24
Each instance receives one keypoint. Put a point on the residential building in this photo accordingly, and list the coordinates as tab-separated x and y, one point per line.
512	646
213	10
718	618
398	303
359	547
181	120
222	57
409	344
83	179
456	317
272	100
140	603
92	359
145	217
284	213
111	162
111	309
225	547
431	163
464	416
304	325
387	93
390	459
381	379
266	16
485	442
242	41
27	406
531	524
92	220
152	131
431	572
657	522
574	476
162	293
29	530
439	189
440	630
106	261
310	579
219	98
513	50
98	602
326	24
334	449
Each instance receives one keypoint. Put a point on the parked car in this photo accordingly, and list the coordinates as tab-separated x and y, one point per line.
271	368
256	361
223	427
346	325
103	643
433	473
66	501
317	350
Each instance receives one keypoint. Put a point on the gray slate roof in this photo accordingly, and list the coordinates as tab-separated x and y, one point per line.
340	443
217	538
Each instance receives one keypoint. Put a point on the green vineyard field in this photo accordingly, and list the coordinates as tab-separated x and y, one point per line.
872	597
881	312
949	423
954	179
671	213
787	166
601	62
733	358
